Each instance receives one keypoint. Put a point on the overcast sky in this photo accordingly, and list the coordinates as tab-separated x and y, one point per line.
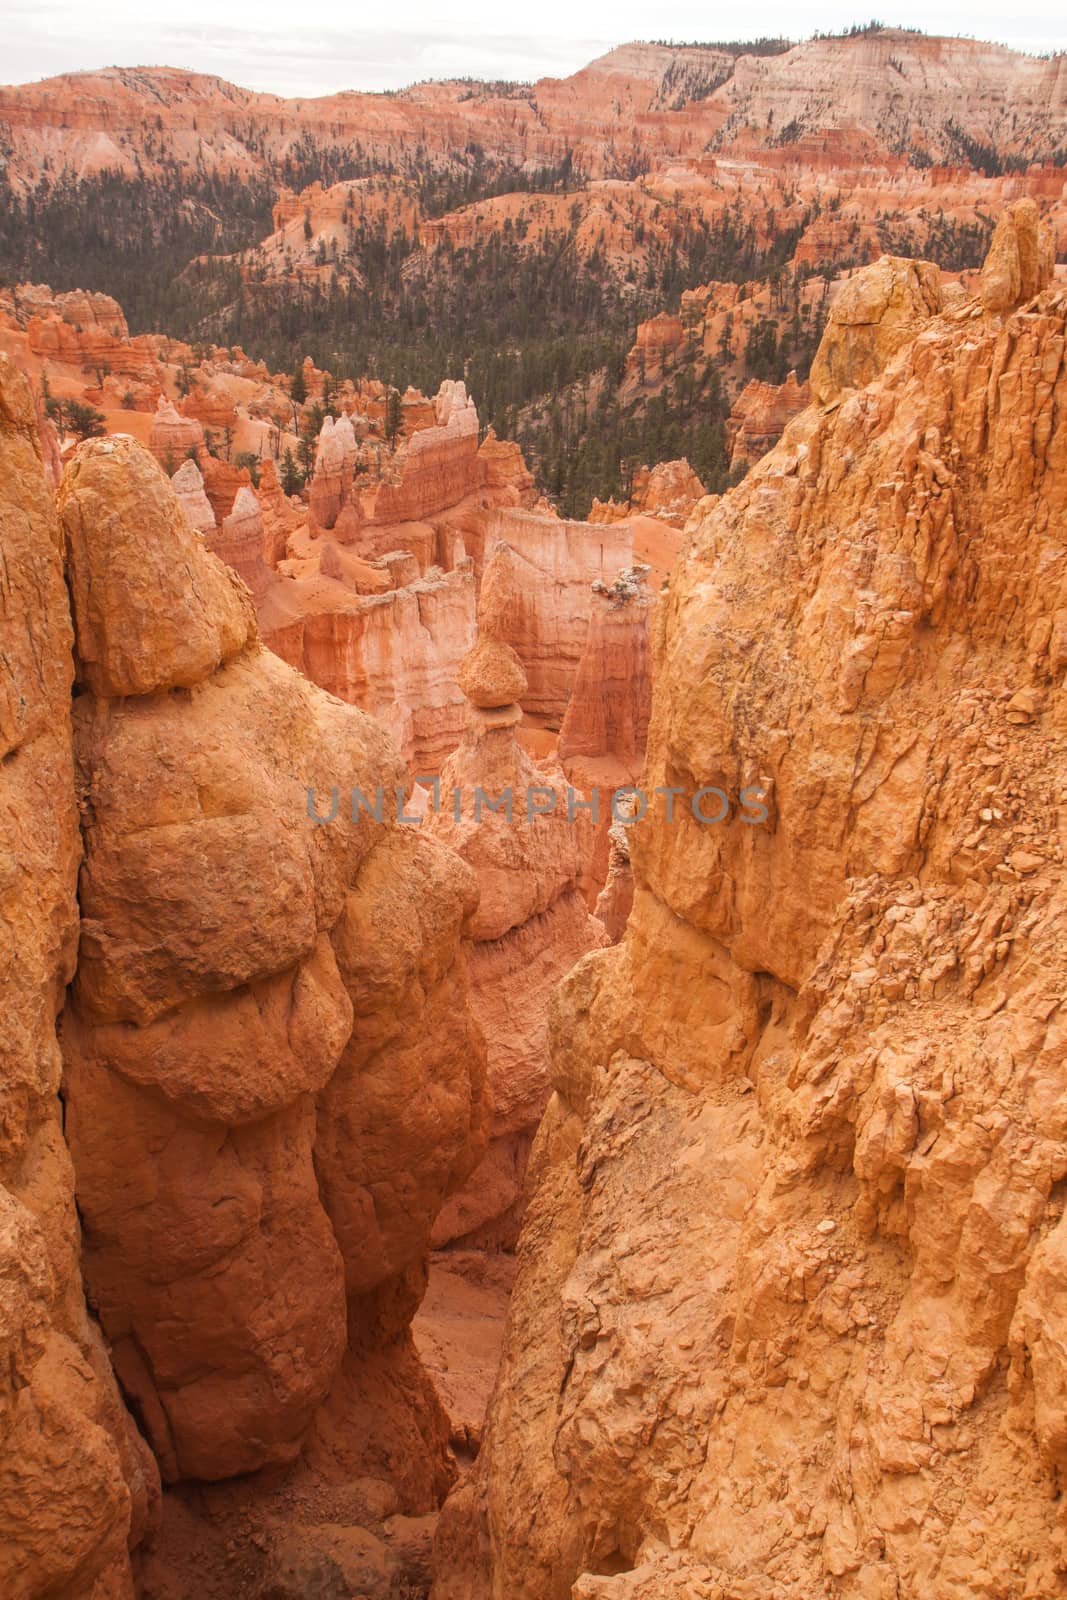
298	49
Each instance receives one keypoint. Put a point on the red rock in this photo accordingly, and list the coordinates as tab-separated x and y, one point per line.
873	315
232	1264
669	491
222	483
537	596
394	654
437	467
242	540
173	436
760	415
530	926
503	467
608	710
150	613
331	486
743	1084
77	1485
1021	258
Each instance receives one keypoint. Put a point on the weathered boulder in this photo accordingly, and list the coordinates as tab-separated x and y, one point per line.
874	314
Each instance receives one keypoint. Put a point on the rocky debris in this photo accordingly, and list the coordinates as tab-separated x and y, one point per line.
874	315
760	415
1021	259
188	485
77	1485
788	1313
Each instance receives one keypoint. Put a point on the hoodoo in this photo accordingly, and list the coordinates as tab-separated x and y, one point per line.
528	846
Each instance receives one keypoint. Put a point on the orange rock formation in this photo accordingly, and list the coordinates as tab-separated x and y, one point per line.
537	596
760	416
267	1035
787	1310
528	847
77	1483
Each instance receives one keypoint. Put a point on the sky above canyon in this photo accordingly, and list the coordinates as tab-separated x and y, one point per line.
275	46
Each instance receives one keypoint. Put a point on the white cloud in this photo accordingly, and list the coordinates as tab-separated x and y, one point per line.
269	45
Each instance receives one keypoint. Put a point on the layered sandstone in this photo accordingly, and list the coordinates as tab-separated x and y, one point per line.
174	436
884	90
395	654
241	541
437	467
787	1316
602	737
537	595
607	713
760	415
331	488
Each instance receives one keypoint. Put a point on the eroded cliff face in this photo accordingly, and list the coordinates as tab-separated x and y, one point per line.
789	1317
76	1483
537	595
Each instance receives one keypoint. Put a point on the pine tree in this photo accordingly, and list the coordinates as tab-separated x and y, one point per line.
394	415
292	479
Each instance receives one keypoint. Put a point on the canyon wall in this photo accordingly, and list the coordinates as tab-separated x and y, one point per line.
789	1310
647	103
77	1484
537	595
394	654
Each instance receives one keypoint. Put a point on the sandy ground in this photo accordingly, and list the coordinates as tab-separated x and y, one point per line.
459	1332
656	544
